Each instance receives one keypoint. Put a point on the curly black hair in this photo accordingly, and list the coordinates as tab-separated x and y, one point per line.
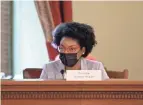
81	32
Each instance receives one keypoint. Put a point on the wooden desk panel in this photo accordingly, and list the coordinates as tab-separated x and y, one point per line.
120	92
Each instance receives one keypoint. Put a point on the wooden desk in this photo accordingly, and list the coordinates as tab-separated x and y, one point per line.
72	93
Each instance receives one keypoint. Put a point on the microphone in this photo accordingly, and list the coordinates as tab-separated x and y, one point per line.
62	72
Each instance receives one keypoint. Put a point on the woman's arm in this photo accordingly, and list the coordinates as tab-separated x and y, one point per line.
104	74
44	74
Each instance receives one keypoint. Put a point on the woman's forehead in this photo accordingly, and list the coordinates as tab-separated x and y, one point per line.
67	41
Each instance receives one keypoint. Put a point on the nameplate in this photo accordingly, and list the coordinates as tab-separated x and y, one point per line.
83	75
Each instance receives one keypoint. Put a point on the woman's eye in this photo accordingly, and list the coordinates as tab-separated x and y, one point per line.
72	49
60	48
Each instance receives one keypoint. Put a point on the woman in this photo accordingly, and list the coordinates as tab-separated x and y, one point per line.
74	41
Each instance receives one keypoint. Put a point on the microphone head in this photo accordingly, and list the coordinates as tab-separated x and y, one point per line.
62	71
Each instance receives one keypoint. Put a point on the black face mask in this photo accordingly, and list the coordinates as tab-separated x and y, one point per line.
69	59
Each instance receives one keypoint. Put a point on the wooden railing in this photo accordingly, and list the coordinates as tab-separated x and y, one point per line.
118	92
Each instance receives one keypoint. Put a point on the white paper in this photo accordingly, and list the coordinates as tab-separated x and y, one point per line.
83	75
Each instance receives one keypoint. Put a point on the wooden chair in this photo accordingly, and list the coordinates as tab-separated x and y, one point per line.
118	74
34	73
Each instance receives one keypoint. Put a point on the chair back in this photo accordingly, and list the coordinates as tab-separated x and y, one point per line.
32	73
118	74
